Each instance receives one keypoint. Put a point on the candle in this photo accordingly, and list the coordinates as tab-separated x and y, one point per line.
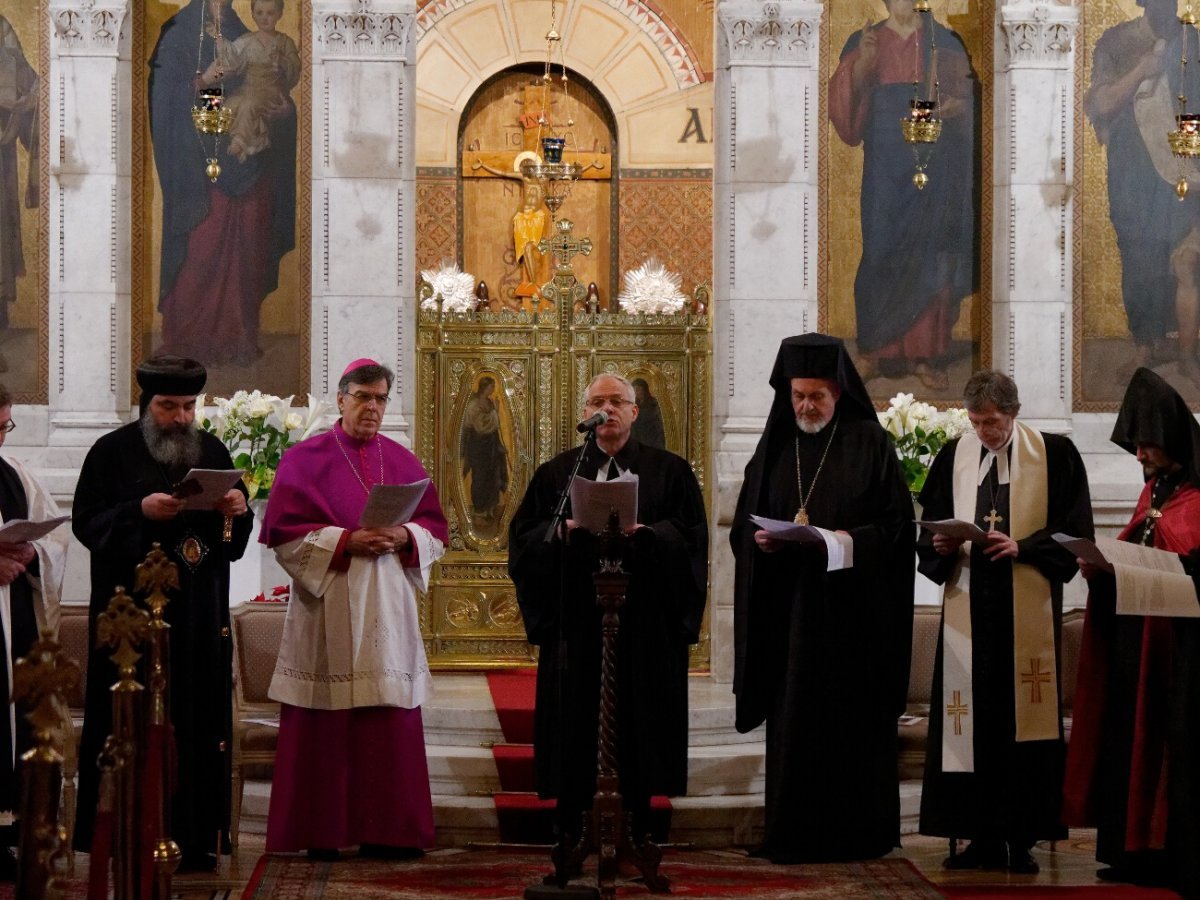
921	110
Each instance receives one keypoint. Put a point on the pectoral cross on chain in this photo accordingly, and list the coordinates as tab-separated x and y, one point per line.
993	519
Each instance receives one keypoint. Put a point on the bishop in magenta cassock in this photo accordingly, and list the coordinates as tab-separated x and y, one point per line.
352	674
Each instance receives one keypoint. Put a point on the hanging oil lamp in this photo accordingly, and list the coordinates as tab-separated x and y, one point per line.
210	115
923	126
1185	139
555	176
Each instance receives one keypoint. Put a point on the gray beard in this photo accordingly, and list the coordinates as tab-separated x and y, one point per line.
811	427
174	449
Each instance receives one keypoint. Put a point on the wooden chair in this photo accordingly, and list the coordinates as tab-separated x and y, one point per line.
257	632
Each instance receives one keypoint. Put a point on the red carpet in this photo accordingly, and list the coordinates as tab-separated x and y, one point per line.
1051	892
483	875
523	818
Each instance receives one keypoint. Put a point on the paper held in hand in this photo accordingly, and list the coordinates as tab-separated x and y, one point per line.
593	501
204	488
955	528
18	531
839	548
1150	581
392	504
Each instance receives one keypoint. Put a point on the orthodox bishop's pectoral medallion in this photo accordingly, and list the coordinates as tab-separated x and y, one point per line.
192	551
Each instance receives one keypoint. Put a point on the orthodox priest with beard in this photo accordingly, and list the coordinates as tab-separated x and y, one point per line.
994	759
822	639
1133	766
123	505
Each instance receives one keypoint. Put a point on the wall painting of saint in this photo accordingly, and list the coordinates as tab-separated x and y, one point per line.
903	268
223	264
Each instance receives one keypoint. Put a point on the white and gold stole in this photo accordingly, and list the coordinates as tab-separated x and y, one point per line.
1035	681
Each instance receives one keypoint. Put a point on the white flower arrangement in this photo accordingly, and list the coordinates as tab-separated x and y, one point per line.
257	428
919	430
650	288
455	287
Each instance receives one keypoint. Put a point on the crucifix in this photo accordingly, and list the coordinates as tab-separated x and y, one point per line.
956	709
1035	678
993	519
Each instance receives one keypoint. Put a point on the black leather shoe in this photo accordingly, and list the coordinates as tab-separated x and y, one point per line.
979	855
323	854
1021	862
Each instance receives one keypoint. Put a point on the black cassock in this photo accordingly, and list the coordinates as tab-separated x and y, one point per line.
823	656
117	473
661	617
1015	792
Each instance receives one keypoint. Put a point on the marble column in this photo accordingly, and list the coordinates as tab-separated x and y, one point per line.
89	212
364	194
765	235
1032	201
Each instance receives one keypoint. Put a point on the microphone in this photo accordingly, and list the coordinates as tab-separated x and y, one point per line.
592	422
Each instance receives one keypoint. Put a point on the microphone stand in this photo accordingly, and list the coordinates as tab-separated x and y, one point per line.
558	520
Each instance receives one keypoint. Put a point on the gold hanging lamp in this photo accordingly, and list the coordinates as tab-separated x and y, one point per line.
922	127
210	115
1185	139
555	176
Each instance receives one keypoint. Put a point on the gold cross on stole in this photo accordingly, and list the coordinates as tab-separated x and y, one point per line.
957	709
1035	678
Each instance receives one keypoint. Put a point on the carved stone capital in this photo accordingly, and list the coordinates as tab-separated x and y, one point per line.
87	27
769	32
1038	35
356	29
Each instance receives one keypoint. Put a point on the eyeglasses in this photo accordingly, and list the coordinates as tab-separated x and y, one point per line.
8	427
364	398
599	402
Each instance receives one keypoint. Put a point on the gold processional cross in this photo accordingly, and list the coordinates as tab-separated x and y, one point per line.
1035	678
956	709
564	245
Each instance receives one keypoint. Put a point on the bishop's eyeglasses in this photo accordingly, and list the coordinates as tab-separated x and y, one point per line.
598	402
365	397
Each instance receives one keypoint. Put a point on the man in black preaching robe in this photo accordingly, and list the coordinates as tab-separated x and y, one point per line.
668	567
994	758
123	505
31	576
823	644
1133	767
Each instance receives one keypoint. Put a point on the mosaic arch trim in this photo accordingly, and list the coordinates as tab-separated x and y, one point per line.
674	49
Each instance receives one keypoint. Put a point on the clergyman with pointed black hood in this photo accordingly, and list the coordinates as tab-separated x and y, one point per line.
1133	765
815	645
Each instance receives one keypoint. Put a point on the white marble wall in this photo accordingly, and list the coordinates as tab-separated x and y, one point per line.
765	238
364	194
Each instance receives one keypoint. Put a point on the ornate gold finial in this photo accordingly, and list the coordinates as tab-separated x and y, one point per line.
122	626
41	680
156	575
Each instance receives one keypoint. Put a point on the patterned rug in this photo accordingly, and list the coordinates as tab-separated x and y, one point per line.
487	874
